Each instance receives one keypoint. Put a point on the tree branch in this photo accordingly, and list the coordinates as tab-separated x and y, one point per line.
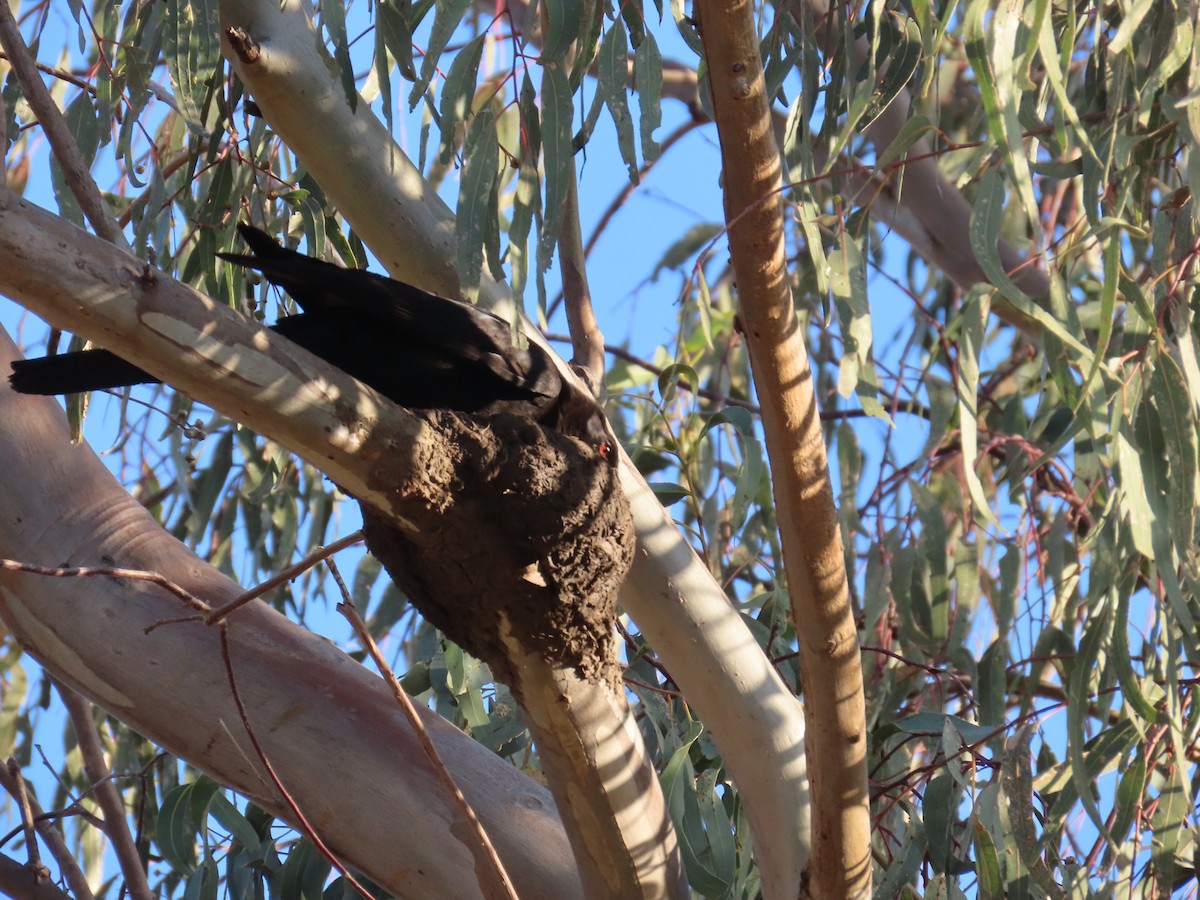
930	213
494	877
306	696
19	883
376	455
50	833
75	169
107	795
813	555
84	284
757	724
587	342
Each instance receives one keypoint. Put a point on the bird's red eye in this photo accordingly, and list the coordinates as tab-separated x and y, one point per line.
605	449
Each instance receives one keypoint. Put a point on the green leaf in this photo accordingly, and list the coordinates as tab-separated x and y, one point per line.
192	52
669	378
82	121
970	345
304	873
458	94
676	774
634	16
476	219
1130	798
848	281
995	69
1163	482
333	15
667	492
901	64
935	724
910	132
682	249
562	20
1058	61
203	882
1132	495
206	489
447	17
12	699
557	110
527	202
987	866
687	29
179	822
850	459
717	828
1108	302
587	47
393	26
1016	785
614	69
237	824
1169	393
214	210
1081	687
648	81
939	812
986	217
753	466
1168	825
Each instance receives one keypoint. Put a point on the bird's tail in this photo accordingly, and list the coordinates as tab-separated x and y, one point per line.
311	282
69	373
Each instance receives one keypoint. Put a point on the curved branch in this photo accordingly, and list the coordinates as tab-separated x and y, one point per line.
587	341
303	695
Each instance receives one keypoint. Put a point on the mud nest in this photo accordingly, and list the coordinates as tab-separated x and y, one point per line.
501	518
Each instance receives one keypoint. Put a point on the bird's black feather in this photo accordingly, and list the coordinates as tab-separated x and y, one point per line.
417	349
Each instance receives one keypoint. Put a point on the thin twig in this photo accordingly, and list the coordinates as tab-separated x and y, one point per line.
3	152
221	613
66	812
115	824
22	798
55	843
304	825
633	359
895	405
348	609
62	75
75	169
162	581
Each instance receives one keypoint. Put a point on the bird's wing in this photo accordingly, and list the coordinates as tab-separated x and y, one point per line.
457	331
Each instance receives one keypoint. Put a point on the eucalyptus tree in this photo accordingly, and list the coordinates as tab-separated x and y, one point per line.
912	604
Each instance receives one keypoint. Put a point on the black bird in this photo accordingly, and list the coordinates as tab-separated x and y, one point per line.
419	350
